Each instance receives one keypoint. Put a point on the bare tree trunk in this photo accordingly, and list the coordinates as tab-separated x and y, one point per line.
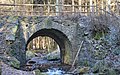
73	7
57	7
91	6
80	1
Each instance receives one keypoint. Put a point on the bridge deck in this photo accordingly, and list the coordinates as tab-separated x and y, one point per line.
56	9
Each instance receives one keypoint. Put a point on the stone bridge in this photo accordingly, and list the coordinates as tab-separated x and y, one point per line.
21	30
100	50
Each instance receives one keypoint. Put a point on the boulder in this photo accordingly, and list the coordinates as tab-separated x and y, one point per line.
91	74
117	51
29	55
12	19
12	61
103	68
111	72
7	70
37	72
36	60
83	70
53	55
10	37
12	29
99	67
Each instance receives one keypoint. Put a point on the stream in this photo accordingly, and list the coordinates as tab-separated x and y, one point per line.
49	64
48	67
55	71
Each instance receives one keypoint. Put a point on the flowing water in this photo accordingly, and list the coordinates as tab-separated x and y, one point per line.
55	71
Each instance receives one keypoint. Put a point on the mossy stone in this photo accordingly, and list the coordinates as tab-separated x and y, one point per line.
48	22
117	51
29	54
10	37
37	72
14	63
84	70
53	55
14	29
111	72
98	35
100	67
13	19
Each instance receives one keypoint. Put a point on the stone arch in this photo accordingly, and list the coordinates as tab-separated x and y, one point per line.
61	39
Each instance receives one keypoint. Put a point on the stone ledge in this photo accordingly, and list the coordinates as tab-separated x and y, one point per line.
7	70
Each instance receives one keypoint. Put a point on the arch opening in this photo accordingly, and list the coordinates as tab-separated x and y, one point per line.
62	43
43	47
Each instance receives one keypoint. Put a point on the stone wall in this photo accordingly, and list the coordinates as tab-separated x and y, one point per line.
100	50
17	31
7	70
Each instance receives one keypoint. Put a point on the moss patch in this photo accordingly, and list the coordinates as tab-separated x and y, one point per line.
14	63
37	72
29	55
67	55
